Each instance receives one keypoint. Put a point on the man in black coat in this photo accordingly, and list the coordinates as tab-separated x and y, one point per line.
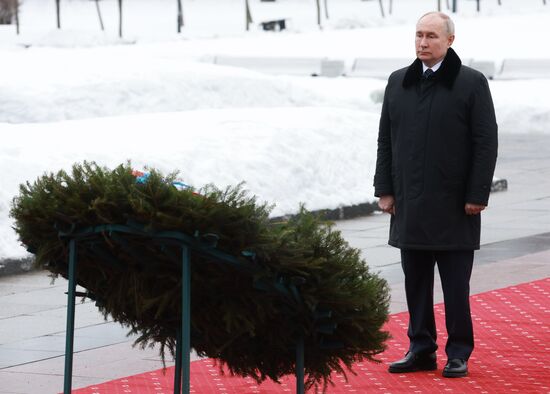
437	149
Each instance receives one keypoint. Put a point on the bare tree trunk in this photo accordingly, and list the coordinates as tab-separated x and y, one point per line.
381	8
318	13
57	12
326	9
248	15
448	5
99	15
391	6
477	5
180	16
439	5
499	2
120	18
454	5
16	5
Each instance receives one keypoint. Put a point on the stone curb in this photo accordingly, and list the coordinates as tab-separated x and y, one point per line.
364	209
19	266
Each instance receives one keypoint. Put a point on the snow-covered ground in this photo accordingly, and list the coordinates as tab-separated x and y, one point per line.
82	94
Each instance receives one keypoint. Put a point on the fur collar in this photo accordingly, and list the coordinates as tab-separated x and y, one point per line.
446	74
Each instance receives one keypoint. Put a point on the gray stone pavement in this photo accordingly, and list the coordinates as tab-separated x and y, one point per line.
516	249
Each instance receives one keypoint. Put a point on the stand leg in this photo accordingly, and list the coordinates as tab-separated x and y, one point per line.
69	335
186	319
177	372
300	366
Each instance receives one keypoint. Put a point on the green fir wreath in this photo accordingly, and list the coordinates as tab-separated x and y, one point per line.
249	330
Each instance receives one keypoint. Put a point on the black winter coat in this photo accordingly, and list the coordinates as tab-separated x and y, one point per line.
437	149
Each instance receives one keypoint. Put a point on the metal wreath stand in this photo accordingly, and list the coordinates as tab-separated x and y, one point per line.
90	237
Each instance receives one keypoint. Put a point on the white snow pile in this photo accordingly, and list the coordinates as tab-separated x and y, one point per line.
80	83
321	156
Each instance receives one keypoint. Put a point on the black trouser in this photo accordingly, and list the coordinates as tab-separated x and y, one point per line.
455	269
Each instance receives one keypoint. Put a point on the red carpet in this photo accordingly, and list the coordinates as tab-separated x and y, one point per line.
512	355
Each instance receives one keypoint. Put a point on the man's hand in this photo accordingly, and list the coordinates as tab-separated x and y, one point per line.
473	209
387	204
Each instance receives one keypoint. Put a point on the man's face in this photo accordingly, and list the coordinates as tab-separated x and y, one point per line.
432	39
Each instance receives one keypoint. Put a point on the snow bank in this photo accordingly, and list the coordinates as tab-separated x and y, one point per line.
323	157
103	82
78	84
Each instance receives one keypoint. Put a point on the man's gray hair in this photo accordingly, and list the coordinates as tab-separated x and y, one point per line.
449	24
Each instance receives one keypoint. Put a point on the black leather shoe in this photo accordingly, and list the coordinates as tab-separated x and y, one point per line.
456	368
414	362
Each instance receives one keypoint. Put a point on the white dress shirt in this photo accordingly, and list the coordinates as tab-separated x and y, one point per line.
434	68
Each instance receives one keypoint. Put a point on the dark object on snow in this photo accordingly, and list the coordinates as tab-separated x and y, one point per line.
275	25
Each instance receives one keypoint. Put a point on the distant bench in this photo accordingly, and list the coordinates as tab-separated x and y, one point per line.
524	69
486	67
377	67
275	25
304	66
